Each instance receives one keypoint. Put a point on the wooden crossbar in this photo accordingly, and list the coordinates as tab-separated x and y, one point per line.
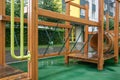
56	15
77	5
44	23
51	14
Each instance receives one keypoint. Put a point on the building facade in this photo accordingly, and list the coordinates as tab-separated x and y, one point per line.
93	13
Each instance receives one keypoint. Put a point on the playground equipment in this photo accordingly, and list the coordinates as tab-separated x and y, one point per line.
22	56
33	12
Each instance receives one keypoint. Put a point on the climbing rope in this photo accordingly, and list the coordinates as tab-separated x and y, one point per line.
76	40
87	40
65	41
50	39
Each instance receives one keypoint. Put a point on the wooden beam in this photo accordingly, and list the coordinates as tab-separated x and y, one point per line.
101	35
2	34
51	14
6	18
33	39
21	76
116	32
51	55
44	23
67	44
77	5
86	32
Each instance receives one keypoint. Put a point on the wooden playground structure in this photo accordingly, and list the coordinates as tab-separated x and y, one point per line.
33	12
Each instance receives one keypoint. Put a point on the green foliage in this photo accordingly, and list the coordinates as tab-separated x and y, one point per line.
50	5
111	24
42	38
17	8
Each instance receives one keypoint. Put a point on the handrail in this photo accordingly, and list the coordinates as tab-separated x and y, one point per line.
21	56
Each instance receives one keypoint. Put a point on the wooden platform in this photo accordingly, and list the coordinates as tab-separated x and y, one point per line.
93	59
10	73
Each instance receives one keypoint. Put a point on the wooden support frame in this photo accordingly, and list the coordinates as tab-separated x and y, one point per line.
101	35
116	32
86	32
56	15
2	34
44	23
101	57
34	12
51	14
67	45
33	39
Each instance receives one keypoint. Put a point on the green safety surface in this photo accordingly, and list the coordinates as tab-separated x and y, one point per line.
55	69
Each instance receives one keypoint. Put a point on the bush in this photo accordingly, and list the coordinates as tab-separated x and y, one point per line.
58	36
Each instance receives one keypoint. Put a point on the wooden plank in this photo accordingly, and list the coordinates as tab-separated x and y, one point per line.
81	57
92	32
51	55
33	39
44	23
22	76
116	32
52	24
6	71
51	14
77	5
2	34
101	35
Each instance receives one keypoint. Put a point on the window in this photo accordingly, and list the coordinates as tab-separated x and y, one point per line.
93	14
82	13
82	2
93	1
93	7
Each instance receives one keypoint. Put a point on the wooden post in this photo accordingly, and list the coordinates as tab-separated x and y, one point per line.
116	32
86	32
67	44
33	38
107	22
101	35
2	34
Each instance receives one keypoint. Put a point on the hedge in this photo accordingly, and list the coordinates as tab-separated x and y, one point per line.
43	39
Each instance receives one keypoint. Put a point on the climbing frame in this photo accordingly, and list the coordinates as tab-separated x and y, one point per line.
33	22
100	57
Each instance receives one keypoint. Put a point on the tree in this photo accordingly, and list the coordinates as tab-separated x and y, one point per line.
17	7
50	5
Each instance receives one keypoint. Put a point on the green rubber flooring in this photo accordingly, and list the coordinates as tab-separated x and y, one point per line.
55	69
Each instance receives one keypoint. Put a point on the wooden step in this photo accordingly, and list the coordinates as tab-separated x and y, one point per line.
8	71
